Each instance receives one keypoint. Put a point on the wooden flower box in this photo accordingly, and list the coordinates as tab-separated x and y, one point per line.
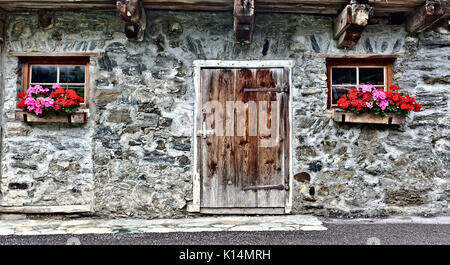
74	118
350	117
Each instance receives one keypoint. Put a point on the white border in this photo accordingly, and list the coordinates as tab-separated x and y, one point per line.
198	65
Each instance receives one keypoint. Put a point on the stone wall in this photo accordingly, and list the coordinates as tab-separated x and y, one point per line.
134	157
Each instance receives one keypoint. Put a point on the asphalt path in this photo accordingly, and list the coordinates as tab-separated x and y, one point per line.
337	234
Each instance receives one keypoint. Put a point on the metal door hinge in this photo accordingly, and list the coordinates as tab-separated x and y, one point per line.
266	187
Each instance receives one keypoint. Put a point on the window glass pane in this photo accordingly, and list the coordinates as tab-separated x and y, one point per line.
337	92
43	74
374	76
71	73
343	76
78	89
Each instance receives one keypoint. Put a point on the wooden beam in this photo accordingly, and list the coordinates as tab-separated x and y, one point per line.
46	18
53	54
133	14
359	56
2	25
350	24
244	17
426	15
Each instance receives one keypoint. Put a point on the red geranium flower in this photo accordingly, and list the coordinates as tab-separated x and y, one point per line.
21	95
21	104
394	87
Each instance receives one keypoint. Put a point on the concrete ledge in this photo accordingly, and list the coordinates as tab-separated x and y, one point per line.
46	209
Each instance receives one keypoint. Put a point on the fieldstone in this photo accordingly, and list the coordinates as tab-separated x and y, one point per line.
119	114
106	96
405	197
16	129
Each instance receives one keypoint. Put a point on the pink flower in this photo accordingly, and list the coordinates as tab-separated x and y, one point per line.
46	102
367	88
31	90
378	95
56	86
30	103
369	104
38	110
383	104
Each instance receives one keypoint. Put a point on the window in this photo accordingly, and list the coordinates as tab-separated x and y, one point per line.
345	73
68	72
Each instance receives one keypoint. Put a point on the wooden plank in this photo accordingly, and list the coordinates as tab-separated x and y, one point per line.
245	155
75	118
360	56
53	54
270	145
46	209
242	210
350	117
207	185
426	15
330	7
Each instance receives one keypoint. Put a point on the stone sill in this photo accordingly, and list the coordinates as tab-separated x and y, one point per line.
350	117
78	117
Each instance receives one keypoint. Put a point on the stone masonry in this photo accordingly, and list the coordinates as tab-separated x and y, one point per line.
134	156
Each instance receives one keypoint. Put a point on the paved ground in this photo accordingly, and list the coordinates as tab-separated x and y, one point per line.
403	230
204	224
339	234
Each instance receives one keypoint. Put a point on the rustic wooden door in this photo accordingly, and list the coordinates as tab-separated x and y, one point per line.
244	142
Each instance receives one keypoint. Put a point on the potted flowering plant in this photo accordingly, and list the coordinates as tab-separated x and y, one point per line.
45	105
366	104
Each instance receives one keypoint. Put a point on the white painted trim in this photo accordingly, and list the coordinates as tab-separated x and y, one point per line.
198	64
245	64
46	209
289	202
195	206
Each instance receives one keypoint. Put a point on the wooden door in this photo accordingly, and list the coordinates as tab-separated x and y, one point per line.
243	140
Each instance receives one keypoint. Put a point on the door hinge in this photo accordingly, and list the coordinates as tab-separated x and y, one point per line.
273	89
266	187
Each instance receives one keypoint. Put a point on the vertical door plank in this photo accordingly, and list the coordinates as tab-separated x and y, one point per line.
226	194
245	155
270	157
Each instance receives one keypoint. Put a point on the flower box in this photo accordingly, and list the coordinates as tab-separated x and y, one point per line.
350	117
74	118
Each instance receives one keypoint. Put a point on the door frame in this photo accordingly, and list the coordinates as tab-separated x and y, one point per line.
198	65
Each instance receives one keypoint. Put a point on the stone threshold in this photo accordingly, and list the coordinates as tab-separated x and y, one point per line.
203	224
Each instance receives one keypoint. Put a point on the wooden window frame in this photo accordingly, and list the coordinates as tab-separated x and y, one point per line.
27	62
386	63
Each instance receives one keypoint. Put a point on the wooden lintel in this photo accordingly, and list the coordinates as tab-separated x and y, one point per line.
244	17
53	54
360	56
133	14
350	24
426	15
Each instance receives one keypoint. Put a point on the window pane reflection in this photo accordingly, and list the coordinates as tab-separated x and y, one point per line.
71	74
43	74
343	76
